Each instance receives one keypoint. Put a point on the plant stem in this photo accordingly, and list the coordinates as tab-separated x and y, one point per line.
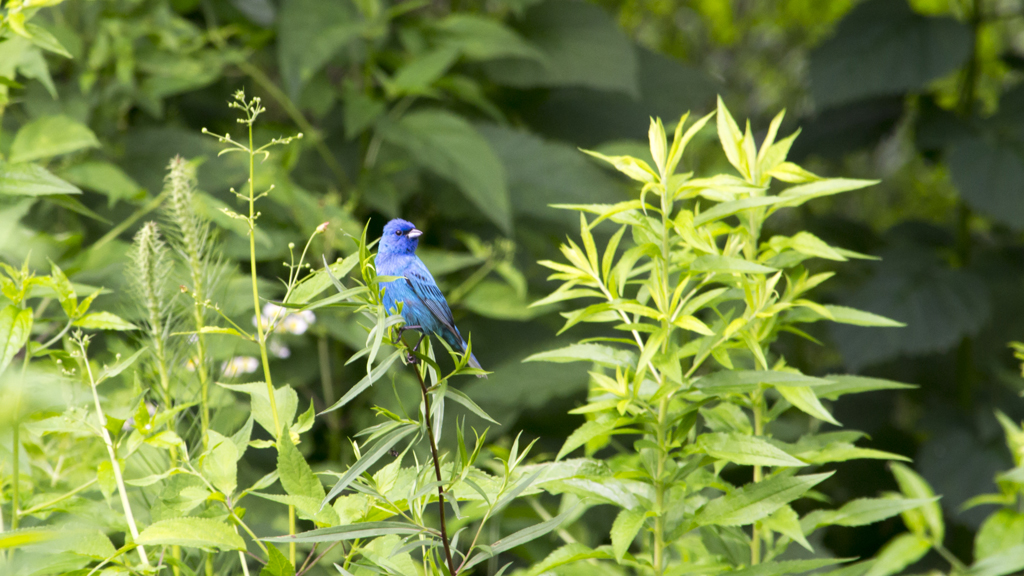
14	483
437	471
755	538
61	498
659	491
113	458
291	530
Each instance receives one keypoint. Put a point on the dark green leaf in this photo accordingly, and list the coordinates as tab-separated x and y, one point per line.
31	180
449	146
51	136
883	47
755	501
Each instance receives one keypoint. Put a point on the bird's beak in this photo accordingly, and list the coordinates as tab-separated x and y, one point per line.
414	233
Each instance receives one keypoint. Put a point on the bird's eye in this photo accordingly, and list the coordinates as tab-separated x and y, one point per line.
398	232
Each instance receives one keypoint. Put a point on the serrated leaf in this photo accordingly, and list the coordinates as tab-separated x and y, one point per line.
15	330
805	399
104	321
756	501
219	464
596	353
277	564
50	136
350	532
31	180
203	533
297	477
286	399
899	553
914	486
624	530
743	449
369	457
728	265
743	381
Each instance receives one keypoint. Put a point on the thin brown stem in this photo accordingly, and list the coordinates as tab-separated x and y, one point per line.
437	470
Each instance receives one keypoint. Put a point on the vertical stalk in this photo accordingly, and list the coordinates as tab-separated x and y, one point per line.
262	341
755	537
437	471
17	472
659	491
113	458
291	530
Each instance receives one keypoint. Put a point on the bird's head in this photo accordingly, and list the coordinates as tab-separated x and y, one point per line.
400	237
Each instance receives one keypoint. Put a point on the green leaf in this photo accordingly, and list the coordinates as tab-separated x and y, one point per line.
104	321
805	398
460	397
203	533
480	38
596	353
309	34
781	567
726	209
861	512
842	384
419	74
743	381
882	48
24	537
1000	531
1009	561
319	281
930	515
285	397
728	265
518	538
350	532
366	381
105	178
587	432
44	39
624	530
568	554
15	330
369	457
306	507
756	501
219	464
51	136
31	180
900	552
743	449
64	290
297	477
111	371
785	521
845	315
449	146
583	47
797	195
277	564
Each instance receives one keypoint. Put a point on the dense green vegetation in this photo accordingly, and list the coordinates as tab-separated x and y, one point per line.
713	345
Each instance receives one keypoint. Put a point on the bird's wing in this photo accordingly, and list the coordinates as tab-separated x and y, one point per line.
425	288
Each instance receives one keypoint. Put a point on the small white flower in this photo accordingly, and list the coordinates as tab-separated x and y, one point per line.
295	324
279	350
191	365
239	365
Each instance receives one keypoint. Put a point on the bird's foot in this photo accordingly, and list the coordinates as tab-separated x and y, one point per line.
411	358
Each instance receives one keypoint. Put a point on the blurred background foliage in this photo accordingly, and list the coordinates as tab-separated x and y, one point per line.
464	116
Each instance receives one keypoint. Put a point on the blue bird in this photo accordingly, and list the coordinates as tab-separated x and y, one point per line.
423	306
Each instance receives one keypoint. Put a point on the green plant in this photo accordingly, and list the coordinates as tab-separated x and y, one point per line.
697	297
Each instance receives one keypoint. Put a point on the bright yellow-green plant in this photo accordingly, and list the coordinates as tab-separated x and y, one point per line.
709	438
